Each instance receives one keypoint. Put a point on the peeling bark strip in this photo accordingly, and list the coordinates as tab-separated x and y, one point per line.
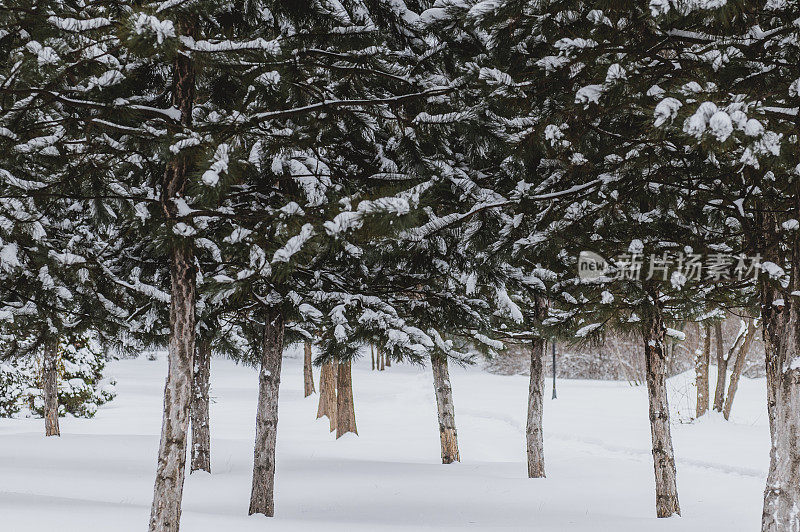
327	394
741	357
722	369
702	356
50	389
448	435
308	371
262	496
345	408
165	514
533	432
663	458
201	431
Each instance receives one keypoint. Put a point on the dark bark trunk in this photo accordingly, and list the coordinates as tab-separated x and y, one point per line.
381	359
327	394
50	389
533	432
345	408
388	361
200	415
722	369
372	355
448	435
308	370
663	458
165	513
702	356
740	355
262	495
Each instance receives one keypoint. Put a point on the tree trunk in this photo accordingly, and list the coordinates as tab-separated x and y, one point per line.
780	314
327	394
381	359
372	355
165	514
533	432
201	432
663	458
262	495
702	356
50	389
444	406
738	365
345	408
722	369
388	361
308	370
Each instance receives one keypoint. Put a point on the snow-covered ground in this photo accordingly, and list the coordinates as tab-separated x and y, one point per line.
99	474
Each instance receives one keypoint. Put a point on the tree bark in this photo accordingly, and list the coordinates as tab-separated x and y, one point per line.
702	356
199	411
165	513
663	458
308	370
381	359
722	369
448	435
50	389
533	432
781	334
327	394
262	495
372	355
741	349
345	408
388	361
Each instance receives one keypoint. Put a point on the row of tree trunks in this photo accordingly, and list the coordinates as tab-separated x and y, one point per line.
702	356
345	407
739	355
448	435
308	371
663	457
327	394
199	411
533	432
50	389
379	360
269	380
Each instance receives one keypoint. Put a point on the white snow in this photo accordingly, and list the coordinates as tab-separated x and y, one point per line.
597	449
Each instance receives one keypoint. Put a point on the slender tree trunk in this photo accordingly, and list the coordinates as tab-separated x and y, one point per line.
308	370
372	355
262	495
448	435
165	514
345	408
722	369
702	356
50	389
327	394
388	361
663	458
738	366
533	432
381	359
200	415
